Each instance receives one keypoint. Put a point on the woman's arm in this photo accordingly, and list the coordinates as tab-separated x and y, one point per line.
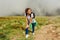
27	23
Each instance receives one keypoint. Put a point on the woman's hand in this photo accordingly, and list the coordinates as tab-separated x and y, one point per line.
27	26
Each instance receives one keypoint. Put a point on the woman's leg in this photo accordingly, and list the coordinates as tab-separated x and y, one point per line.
32	27
26	31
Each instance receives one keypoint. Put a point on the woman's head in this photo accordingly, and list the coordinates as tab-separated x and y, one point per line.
28	10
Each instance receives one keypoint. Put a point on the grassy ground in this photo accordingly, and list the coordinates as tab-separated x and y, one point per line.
13	27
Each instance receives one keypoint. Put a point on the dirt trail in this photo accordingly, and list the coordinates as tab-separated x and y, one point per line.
48	32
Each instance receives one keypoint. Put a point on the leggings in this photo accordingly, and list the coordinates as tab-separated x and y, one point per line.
33	27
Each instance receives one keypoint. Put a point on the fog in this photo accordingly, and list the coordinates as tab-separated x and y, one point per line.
39	7
12	7
46	7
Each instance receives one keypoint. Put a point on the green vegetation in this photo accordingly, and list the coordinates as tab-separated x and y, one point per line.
13	28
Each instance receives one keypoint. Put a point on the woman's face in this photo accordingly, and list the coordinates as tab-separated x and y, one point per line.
29	11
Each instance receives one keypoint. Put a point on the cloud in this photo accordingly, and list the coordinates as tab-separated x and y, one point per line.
40	7
11	7
45	6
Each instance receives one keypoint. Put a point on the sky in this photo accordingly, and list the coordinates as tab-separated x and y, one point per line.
40	7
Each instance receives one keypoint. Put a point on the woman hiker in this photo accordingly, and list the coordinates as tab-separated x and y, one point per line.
30	19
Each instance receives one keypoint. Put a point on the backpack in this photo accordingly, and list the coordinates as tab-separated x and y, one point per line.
31	15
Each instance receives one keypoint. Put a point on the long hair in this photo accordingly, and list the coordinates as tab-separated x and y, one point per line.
26	10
